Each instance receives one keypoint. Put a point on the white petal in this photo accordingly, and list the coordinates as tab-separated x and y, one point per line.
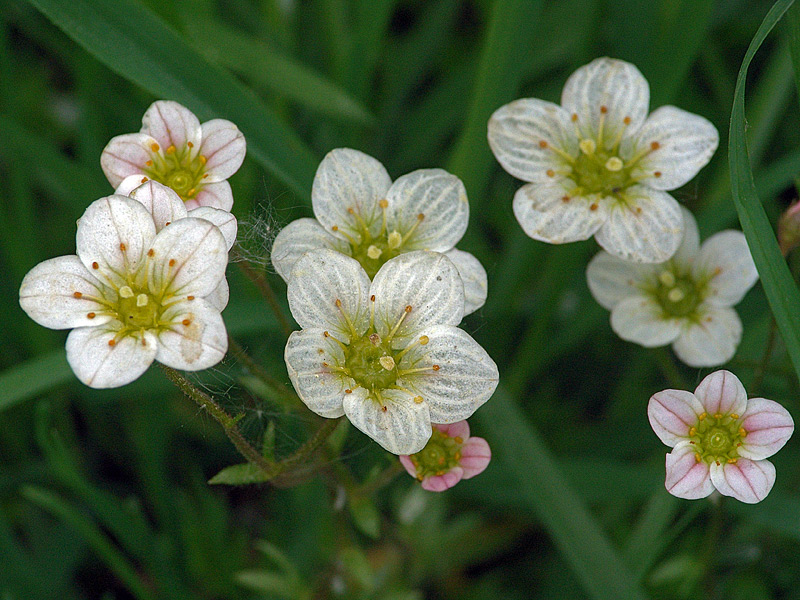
216	195
219	296
672	413
746	480
299	237
466	376
614	84
130	183
612	279
224	148
171	124
189	257
722	392
400	425
321	389
113	235
768	425
712	341
473	276
725	259
196	338
641	319
437	196
320	278
648	228
686	477
524	133
161	202
547	213
425	281
685	144
224	220
687	253
100	365
126	155
348	179
48	294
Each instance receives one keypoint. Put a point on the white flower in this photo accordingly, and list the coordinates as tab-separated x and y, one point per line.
385	353
599	165
362	214
133	294
686	301
173	148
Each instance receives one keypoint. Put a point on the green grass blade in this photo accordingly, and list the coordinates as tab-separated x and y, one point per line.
33	377
780	289
138	45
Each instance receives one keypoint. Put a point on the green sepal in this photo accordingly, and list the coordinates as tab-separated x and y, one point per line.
241	474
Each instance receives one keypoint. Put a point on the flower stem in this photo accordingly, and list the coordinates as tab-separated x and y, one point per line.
265	288
311	444
711	543
260	373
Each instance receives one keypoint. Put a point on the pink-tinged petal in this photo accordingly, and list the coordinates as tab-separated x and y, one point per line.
672	413
126	155
711	340
130	183
722	393
216	195
196	338
686	477
440	483
746	480
405	460
160	201
101	364
225	222
475	456
171	124
224	148
768	425
457	429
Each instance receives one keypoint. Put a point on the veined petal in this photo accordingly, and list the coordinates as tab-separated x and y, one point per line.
61	294
161	202
399	425
725	259
712	340
647	228
219	296
768	425
451	371
457	429
405	460
349	180
299	237
224	148
473	276
612	279
687	477
678	144
440	483
721	392
225	222
318	280
99	363
428	283
528	137
604	94
686	254
429	207
746	480
309	356
171	124
672	413
216	195
188	257
196	338
641	319
130	183
126	155
113	235
546	212
475	457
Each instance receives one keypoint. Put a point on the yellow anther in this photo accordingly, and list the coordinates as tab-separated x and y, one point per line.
387	362
384	203
171	149
154	147
676	295
587	146
423	339
418	399
697	457
202	159
734	416
732	461
394	240
702	416
459	439
614	164
692	431
126	292
742	432
141	300
717	416
374	252
667	278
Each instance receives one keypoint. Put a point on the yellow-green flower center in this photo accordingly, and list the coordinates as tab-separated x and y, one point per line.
716	438
440	455
601	172
177	169
370	361
137	308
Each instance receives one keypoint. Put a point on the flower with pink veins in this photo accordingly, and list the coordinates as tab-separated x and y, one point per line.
720	439
175	149
449	456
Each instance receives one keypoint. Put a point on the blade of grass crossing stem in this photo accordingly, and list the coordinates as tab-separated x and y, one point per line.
543	488
155	57
780	289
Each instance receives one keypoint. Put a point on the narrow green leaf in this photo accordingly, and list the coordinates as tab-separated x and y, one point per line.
780	289
34	377
793	35
242	474
138	45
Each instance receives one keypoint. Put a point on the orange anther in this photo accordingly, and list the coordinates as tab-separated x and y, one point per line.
384	203
154	147
123	247
91	316
565	199
190	144
551	173
574	117
372	298
543	144
627	120
593	207
604	109
190	297
95	265
202	159
77	295
149	163
186	322
151	252
435	367
655	145
408	308
171	262
144	180
112	342
171	149
657	174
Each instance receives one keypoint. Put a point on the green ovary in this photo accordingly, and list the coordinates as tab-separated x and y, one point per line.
137	309
363	363
178	170
679	294
717	438
594	177
441	454
372	253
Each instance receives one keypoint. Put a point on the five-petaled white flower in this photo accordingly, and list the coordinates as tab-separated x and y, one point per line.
686	301
598	165
361	213
133	293
173	148
719	439
385	353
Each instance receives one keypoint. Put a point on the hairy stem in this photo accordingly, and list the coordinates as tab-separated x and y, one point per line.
265	288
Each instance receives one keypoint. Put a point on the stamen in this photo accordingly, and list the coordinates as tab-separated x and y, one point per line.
702	416
126	292
91	315
587	146
384	204
154	147
186	322
141	300
77	295
676	295
346	318
395	240
151	253
171	262
418	399
697	457
399	322
692	431
420	218
614	164
387	362
667	278
95	265
202	159
190	144
734	416
374	252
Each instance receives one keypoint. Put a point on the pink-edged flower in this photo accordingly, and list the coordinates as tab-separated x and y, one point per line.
175	149
719	439
449	456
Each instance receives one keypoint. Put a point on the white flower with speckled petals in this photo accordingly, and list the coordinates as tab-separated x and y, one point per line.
173	148
598	165
687	301
135	292
386	353
361	213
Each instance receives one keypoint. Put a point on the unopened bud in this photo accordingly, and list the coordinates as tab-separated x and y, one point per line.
789	229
